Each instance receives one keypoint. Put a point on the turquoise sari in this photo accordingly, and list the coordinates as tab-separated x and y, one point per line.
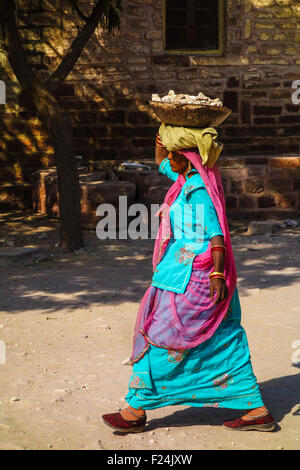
217	373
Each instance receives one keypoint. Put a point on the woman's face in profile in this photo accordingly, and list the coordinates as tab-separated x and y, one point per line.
178	162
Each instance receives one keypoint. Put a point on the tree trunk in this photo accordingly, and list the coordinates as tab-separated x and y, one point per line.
60	131
58	124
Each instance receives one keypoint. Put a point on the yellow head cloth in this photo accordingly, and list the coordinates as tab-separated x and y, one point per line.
175	138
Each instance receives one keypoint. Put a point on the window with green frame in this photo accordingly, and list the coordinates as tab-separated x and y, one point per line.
194	26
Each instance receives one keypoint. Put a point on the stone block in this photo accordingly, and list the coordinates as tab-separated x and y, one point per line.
234	177
236	187
169	59
284	12
153	34
266	201
262	227
15	196
286	200
94	193
156	194
285	162
246	112
296	185
247	202
138	117
263	3
280	185
247	30
16	256
253	185
231	202
266	110
264	25
96	176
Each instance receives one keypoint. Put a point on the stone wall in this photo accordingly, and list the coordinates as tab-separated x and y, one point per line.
254	188
266	186
108	89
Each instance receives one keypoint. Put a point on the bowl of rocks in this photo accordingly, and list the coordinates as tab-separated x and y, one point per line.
189	111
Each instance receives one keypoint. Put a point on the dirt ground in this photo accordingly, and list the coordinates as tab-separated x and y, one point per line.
67	320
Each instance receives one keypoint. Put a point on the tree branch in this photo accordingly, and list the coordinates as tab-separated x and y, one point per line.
78	45
13	46
78	11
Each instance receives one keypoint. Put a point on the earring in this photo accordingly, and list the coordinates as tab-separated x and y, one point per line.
189	165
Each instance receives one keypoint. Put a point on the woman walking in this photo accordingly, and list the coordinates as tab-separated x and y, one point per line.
189	347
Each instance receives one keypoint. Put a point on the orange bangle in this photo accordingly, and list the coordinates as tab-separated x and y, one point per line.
218	248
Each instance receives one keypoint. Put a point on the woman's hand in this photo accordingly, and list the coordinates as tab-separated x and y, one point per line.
160	151
218	288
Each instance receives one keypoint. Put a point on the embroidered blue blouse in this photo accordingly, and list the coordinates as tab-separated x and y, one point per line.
194	222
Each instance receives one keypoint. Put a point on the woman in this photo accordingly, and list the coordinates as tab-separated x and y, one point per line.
189	347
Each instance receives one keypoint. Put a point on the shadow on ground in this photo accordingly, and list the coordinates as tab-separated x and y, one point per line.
281	395
116	271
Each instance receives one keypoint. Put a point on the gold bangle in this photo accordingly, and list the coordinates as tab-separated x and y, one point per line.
216	272
213	246
217	276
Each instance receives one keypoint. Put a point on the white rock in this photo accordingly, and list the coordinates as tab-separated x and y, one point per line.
291	223
60	390
43	235
155	97
126	361
14	399
181	98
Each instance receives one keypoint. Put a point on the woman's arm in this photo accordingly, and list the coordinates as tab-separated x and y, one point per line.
160	151
218	285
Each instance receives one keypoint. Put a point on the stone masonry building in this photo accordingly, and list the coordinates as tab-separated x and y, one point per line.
249	58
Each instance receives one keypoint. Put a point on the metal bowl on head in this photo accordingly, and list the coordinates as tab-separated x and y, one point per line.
189	115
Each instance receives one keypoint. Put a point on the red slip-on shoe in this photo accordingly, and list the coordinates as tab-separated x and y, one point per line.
265	423
118	423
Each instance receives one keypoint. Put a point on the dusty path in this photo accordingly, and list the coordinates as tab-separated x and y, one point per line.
67	324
